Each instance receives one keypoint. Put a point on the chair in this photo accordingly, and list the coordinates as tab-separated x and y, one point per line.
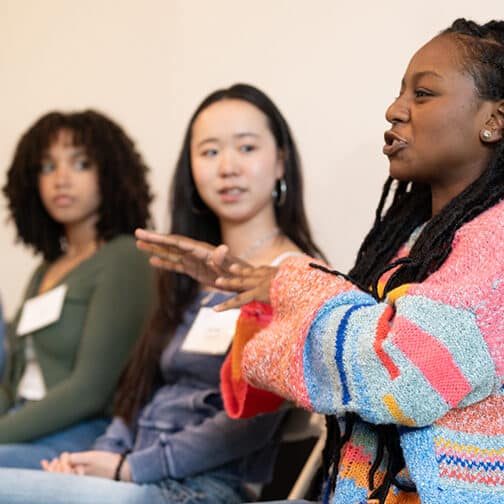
312	464
302	441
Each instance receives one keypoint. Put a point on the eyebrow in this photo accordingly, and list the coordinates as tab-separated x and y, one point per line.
425	73
78	151
237	135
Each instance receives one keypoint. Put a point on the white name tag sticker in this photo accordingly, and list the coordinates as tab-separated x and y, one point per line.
211	332
42	310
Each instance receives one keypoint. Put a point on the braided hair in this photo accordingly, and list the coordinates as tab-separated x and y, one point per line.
482	57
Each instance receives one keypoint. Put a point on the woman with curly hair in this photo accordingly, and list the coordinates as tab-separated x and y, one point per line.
76	190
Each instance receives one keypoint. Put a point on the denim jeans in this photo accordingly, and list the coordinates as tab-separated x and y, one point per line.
79	437
20	486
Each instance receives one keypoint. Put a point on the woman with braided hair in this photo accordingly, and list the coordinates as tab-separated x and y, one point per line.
405	353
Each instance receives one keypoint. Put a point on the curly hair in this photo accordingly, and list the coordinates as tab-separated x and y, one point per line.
191	217
481	55
125	194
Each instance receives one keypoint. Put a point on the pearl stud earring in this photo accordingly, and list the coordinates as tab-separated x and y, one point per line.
487	134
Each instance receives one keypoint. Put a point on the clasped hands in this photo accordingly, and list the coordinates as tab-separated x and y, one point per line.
211	266
102	464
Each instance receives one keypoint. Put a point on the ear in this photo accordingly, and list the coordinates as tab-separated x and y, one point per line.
500	118
494	127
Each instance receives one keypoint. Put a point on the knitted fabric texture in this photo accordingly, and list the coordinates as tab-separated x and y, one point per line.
429	359
241	398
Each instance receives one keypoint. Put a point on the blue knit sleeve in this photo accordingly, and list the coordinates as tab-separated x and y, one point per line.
406	363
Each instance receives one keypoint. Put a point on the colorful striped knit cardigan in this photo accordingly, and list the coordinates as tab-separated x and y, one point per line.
430	359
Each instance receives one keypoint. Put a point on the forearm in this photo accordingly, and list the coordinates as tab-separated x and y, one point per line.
387	368
407	361
273	359
63	406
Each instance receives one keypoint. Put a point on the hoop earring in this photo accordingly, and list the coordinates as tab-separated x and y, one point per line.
198	207
279	193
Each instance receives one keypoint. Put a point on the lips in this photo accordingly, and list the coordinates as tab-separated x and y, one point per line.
62	200
393	143
231	191
231	194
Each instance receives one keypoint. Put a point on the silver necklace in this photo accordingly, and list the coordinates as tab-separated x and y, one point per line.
259	243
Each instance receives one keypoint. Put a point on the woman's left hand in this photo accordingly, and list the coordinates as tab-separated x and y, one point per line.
60	464
102	464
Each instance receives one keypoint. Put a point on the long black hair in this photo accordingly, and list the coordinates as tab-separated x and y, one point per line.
191	217
122	179
482	56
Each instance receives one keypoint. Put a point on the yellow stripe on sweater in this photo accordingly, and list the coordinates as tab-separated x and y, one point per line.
396	411
475	450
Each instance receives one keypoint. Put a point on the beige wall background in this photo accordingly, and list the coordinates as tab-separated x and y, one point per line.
331	66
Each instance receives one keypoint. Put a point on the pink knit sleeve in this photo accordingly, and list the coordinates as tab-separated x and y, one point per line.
242	400
273	359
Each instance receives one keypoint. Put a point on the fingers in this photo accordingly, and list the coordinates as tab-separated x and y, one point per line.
51	465
220	255
237	301
166	264
252	283
196	262
236	284
76	458
178	243
221	258
59	464
247	270
166	252
65	462
165	248
241	278
45	464
150	236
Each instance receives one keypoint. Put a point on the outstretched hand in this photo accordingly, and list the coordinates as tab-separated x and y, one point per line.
180	254
208	265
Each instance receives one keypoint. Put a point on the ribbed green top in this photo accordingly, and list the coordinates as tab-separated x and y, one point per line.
82	354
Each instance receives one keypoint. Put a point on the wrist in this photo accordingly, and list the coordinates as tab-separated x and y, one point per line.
125	474
120	472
